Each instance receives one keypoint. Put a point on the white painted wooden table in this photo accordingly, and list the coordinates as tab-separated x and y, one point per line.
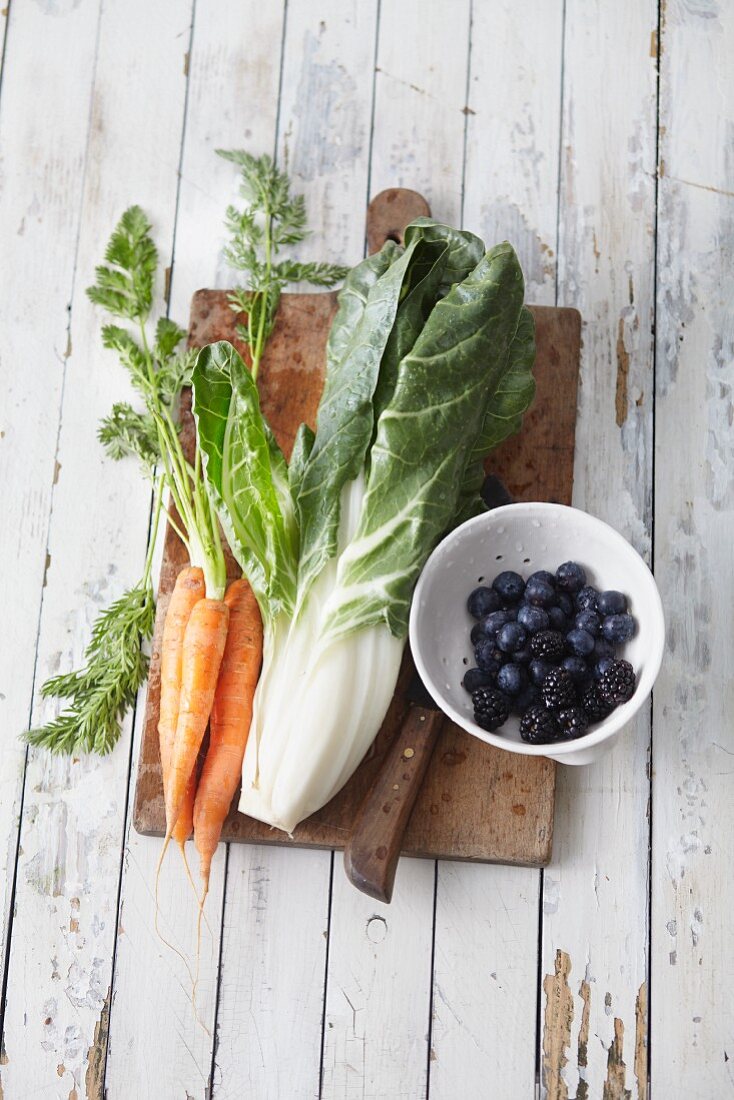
598	136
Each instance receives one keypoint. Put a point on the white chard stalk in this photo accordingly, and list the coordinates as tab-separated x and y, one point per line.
429	366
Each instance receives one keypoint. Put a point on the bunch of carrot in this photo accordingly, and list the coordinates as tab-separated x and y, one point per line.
210	662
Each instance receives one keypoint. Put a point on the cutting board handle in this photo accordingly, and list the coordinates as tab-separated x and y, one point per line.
390	212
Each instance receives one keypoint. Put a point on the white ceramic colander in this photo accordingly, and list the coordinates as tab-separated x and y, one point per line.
527	537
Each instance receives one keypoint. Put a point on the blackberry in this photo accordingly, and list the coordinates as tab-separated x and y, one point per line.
597	709
617	684
580	642
618	629
511	637
557	690
572	722
491	708
476	678
586	598
509	586
570	576
548	644
611	603
481	601
538	726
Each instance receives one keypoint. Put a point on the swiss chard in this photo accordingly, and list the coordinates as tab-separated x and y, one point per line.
428	367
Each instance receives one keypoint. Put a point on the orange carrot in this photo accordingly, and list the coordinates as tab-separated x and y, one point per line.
189	589
203	647
230	722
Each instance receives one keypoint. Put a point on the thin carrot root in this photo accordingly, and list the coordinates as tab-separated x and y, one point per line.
203	647
156	922
230	724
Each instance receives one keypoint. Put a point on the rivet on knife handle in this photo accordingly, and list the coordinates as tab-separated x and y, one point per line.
373	849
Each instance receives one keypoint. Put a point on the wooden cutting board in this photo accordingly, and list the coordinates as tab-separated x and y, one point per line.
477	802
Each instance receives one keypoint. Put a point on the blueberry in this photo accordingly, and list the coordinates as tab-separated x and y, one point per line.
586	598
481	601
476	634
486	656
602	666
578	669
510	612
618	629
543	575
476	678
509	586
533	618
539	669
491	623
602	648
611	603
557	620
588	621
527	698
580	642
511	679
511	636
570	576
523	656
540	594
565	603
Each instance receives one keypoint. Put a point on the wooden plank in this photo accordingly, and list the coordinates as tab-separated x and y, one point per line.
65	928
44	121
512	134
379	1047
484	978
486	933
271	996
324	115
155	1047
593	996
692	1014
467	807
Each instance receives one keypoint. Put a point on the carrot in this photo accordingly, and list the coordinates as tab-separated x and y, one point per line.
230	722
203	647
189	589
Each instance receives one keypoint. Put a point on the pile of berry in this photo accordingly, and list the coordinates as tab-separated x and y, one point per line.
545	650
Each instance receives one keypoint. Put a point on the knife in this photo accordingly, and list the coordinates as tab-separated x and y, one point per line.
373	849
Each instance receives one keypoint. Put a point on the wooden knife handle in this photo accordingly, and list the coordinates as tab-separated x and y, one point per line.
390	212
373	849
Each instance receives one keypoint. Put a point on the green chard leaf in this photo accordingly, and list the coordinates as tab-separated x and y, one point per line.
465	250
503	416
345	417
424	440
247	476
